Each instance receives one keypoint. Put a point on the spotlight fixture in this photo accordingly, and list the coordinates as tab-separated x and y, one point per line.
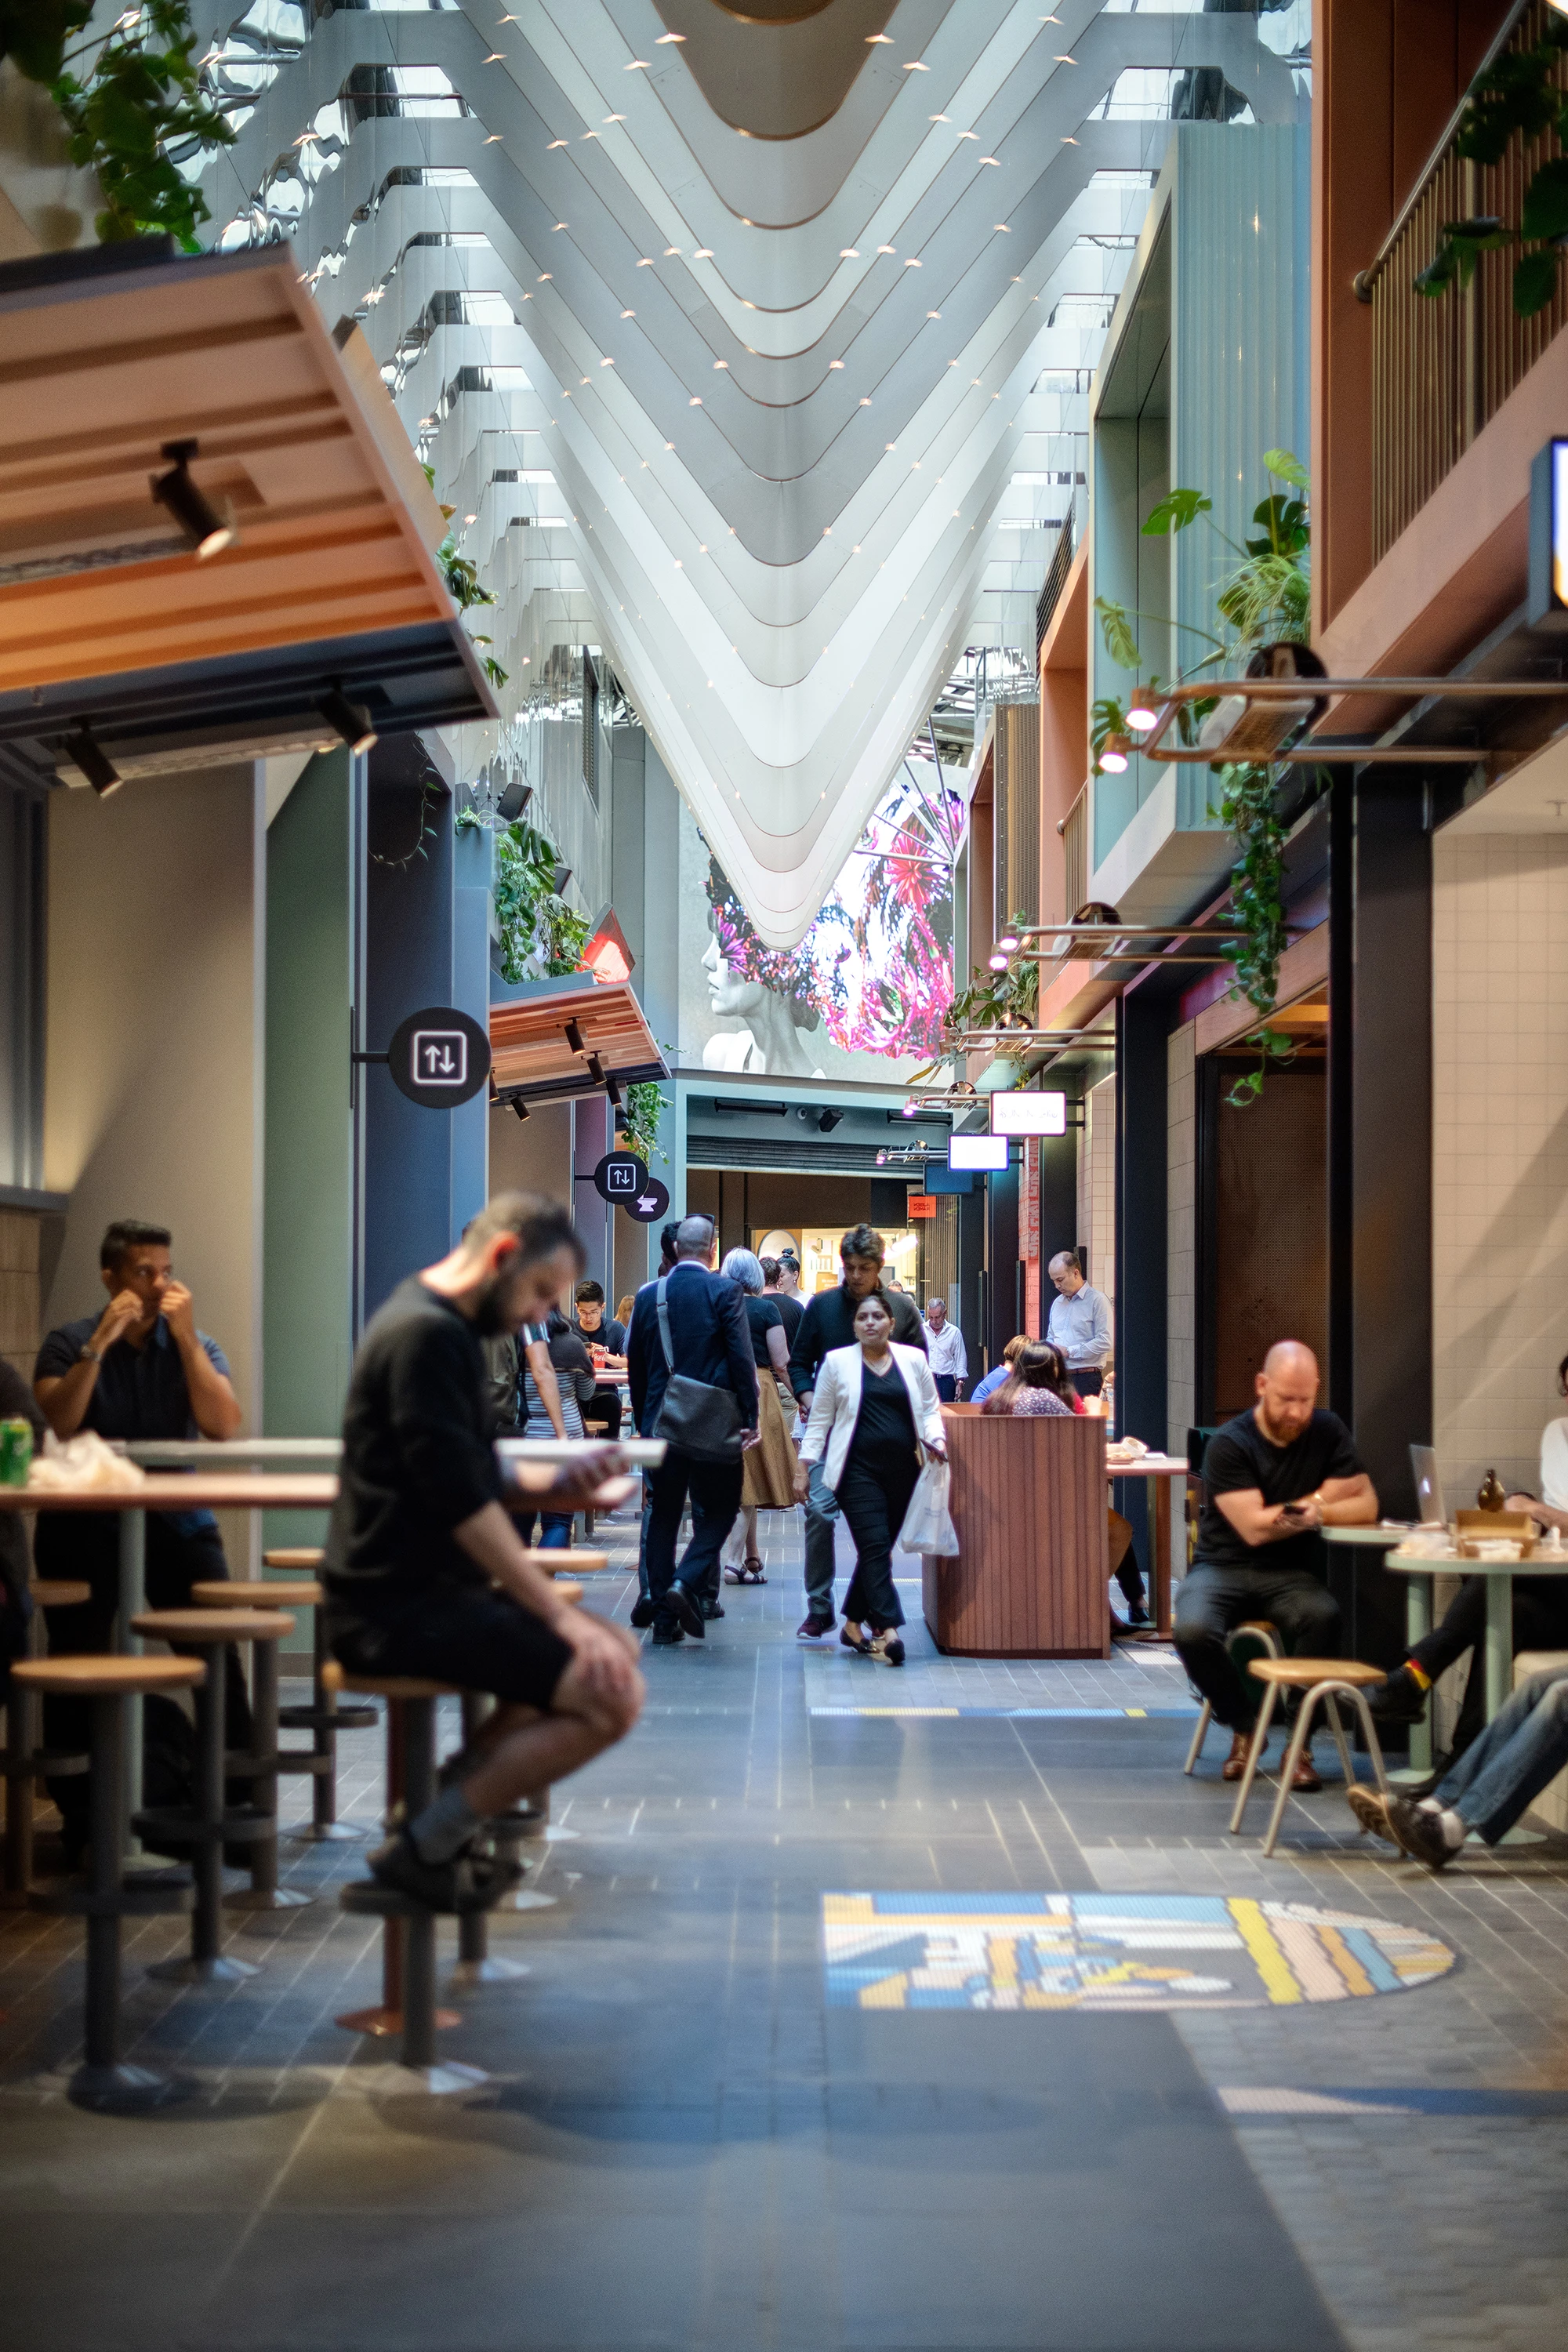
208	531
350	720
1008	943
881	1159
613	1092
519	1108
94	762
1114	754
828	1122
1142	714
909	1108
998	962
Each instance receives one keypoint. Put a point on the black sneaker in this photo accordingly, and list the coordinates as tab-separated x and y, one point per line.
815	1629
469	1882
1401	1698
1137	1621
1421	1834
643	1610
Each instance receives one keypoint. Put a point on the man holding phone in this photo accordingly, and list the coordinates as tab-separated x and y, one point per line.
1272	1477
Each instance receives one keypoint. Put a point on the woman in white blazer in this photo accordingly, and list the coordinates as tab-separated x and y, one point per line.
875	1406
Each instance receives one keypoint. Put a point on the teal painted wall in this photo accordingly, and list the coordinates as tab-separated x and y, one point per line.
308	1281
1238	198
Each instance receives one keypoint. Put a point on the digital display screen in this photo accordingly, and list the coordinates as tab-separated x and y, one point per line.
985	1152
1029	1114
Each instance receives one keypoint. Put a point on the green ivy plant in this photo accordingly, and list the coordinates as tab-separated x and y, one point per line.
998	1000
639	1118
1265	598
142	96
1518	97
537	926
465	587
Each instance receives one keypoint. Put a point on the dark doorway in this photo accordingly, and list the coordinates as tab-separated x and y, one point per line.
1262	1223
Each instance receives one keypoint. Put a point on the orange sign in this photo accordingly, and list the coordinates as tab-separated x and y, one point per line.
923	1204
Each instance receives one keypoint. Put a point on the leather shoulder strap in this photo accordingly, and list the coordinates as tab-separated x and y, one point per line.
662	1305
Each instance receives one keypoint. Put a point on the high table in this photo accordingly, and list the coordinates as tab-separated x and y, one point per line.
201	1491
1161	1469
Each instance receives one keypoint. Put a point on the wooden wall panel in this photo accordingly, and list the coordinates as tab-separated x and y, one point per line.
1029	1505
1270	1274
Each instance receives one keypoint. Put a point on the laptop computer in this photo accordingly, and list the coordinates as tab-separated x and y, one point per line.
1431	1507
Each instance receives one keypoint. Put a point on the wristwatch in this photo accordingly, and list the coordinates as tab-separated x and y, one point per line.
87	1354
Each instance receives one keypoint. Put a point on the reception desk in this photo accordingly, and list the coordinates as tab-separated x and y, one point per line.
1029	1505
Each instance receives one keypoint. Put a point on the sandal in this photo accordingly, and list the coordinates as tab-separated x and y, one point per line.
752	1572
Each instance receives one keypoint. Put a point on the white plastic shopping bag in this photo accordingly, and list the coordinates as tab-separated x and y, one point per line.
928	1525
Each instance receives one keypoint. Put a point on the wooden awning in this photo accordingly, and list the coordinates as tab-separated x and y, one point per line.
108	614
570	1041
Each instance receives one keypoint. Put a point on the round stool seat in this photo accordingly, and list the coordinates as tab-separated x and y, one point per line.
585	1563
106	1677
232	1595
59	1593
300	1556
1301	1673
213	1625
337	1678
1257	1625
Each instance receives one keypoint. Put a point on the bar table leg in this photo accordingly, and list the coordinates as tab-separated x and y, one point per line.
1418	1625
132	1601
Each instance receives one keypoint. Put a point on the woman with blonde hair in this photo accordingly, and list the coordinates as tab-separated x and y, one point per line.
767	1467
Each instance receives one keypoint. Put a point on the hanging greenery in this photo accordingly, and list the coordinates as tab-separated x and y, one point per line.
142	97
638	1120
465	587
539	932
998	1000
1520	96
1264	599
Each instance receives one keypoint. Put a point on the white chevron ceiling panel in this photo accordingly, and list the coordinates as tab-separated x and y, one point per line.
760	305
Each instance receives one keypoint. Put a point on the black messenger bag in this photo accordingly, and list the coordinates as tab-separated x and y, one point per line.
693	1416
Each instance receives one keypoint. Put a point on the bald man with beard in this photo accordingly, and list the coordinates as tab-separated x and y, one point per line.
1272	1477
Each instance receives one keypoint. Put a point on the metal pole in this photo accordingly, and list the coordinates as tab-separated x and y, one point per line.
132	1601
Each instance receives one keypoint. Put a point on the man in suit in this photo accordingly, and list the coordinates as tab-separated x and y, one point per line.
710	1341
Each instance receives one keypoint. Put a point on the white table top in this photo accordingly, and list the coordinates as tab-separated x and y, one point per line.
1453	1563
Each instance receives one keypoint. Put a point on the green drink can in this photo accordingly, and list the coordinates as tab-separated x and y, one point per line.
15	1451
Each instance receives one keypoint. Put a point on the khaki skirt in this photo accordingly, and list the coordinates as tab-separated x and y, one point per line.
769	1479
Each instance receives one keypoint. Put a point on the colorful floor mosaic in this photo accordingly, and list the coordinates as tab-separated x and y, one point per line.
1008	1714
1110	1951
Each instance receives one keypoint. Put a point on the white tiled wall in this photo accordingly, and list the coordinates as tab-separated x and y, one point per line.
1499	1254
1181	1235
1097	1186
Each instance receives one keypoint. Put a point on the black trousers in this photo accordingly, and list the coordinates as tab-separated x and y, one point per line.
1211	1601
1539	1622
602	1413
714	1489
1087	1383
85	1547
874	1495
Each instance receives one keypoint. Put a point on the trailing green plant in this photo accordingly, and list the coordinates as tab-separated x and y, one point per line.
1518	97
637	1121
465	587
142	97
538	928
1265	598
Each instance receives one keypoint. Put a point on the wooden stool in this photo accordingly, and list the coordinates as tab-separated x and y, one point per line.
323	1718
24	1763
101	2081
1328	1679
263	1893
474	1963
409	1931
1257	1629
206	1827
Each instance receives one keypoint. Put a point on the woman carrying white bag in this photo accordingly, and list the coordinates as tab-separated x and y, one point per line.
874	1409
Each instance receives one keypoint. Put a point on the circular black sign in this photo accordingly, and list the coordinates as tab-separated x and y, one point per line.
619	1177
439	1057
650	1203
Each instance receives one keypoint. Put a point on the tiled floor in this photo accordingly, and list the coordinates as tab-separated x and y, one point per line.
682	2144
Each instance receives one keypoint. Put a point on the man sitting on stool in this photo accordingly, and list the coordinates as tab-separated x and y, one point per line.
1272	1477
425	1575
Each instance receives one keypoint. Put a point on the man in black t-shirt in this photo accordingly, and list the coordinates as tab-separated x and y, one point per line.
1272	1477
426	1574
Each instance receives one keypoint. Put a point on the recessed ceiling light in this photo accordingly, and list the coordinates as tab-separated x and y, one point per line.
847	253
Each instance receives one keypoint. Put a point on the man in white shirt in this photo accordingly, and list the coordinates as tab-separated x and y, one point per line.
944	1347
1079	1324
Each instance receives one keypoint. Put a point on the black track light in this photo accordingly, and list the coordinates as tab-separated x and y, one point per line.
352	723
613	1092
94	763
208	531
828	1122
520	1106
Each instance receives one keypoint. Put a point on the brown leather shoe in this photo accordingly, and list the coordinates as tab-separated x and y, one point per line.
1306	1774
1234	1764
